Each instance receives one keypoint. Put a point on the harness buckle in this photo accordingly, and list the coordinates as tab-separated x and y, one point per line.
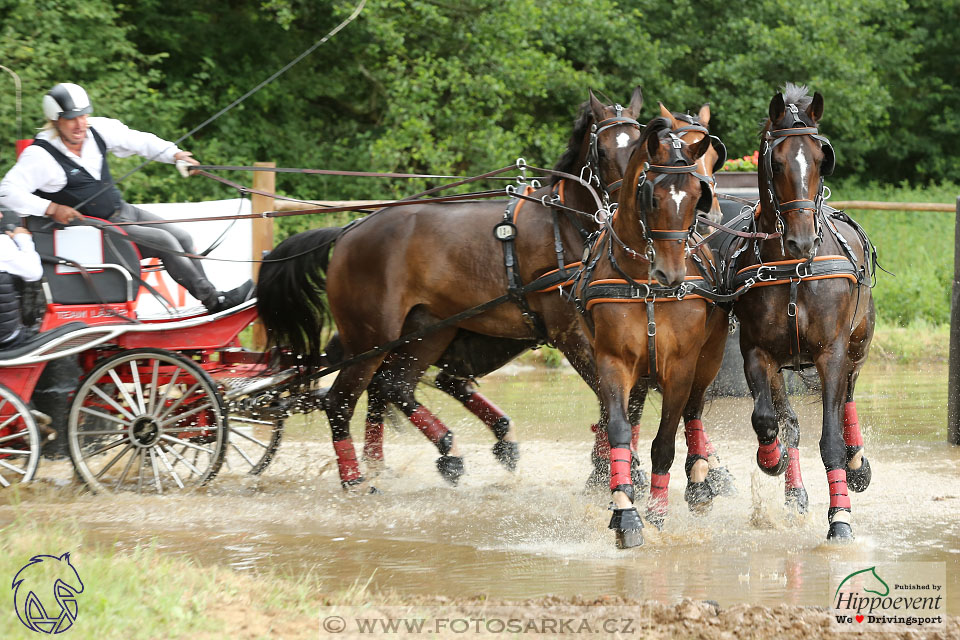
637	293
651	329
600	217
804	273
792	309
682	292
760	274
510	189
650	254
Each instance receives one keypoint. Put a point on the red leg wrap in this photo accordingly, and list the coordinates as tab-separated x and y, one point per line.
851	426
658	492
634	437
346	460
428	424
793	479
488	412
601	444
711	449
619	467
373	441
696	439
837	479
769	454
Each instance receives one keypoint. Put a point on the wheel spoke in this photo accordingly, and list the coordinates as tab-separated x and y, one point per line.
156	472
9	420
143	458
186	414
186	462
234	431
187	444
104	448
115	458
126	469
244	455
13	468
16	452
179	401
122	388
166	462
153	385
4	482
137	387
104	416
14	436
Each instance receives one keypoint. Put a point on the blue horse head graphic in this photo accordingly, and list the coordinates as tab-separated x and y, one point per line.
43	581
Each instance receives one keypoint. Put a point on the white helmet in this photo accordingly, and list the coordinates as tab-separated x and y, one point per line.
66	100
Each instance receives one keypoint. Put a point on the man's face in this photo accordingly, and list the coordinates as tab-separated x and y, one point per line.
72	131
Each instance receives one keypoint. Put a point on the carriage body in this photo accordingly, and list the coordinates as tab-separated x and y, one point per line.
154	400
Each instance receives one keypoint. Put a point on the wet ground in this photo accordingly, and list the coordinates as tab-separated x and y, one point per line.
536	531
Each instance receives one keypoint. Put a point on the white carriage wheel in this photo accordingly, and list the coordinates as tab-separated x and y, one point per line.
147	420
252	443
19	440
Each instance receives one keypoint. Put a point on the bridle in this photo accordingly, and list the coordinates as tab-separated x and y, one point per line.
591	168
774	137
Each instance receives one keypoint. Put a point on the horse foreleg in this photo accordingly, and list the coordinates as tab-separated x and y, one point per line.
506	450
677	382
795	493
759	368
613	385
830	365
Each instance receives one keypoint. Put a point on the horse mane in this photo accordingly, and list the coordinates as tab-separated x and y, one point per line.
792	94
568	162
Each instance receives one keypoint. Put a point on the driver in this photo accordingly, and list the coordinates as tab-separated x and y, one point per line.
66	167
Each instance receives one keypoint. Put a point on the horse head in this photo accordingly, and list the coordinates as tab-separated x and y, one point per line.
794	160
692	129
33	584
599	146
658	205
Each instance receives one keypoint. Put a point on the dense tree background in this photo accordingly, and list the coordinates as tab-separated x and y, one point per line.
468	85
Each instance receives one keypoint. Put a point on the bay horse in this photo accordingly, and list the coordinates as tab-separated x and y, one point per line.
821	315
446	248
645	325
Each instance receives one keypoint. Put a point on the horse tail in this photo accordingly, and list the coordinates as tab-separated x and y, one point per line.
291	299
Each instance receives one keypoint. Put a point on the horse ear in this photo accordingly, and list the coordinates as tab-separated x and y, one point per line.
636	102
815	110
666	113
704	115
596	106
653	144
701	147
777	108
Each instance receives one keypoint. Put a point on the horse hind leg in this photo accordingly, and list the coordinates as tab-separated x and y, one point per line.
506	450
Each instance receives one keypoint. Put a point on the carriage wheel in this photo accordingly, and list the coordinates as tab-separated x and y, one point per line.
148	421
19	440
252	443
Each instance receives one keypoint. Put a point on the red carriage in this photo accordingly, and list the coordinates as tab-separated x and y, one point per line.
163	401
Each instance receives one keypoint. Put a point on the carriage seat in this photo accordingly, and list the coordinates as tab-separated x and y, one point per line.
39	340
112	264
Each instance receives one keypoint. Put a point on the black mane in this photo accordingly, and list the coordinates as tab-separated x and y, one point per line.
568	162
792	94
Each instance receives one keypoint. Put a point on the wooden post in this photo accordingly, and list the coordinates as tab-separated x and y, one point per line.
953	379
262	232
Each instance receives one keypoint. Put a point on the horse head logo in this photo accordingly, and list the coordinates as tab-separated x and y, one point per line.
32	587
860	583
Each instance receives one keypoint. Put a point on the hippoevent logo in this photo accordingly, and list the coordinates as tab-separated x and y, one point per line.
45	594
889	597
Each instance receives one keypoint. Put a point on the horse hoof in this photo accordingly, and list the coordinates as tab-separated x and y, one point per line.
859	479
699	497
656	518
451	468
797	499
627	527
507	453
781	465
356	487
721	482
840	532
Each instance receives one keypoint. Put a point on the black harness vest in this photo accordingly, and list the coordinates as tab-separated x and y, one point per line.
81	186
9	307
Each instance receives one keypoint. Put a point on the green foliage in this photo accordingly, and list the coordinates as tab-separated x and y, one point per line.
916	246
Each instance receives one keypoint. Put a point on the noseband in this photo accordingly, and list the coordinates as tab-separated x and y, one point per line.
775	137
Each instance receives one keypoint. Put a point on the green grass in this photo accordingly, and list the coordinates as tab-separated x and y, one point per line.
916	246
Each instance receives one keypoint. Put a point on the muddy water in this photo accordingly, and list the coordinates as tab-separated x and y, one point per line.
537	531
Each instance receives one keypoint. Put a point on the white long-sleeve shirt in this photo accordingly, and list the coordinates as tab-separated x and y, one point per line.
37	170
19	258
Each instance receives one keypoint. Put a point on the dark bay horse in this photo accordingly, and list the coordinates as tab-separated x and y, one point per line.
646	328
821	314
452	262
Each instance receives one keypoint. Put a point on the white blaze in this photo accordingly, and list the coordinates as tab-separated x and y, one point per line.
622	140
677	196
802	161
